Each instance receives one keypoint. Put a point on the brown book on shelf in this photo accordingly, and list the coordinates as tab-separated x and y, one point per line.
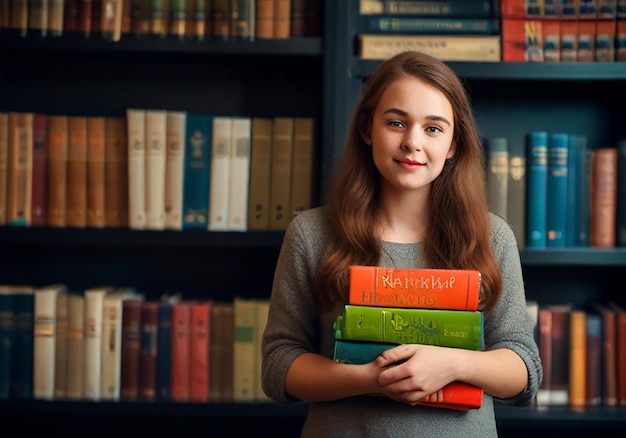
559	382
593	359
313	18
265	19
181	351
280	184
96	17
131	347
578	359
302	165
282	19
140	18
221	352
55	17
76	212
71	12
148	350
57	153
220	12
260	174
19	16
4	160
199	346
544	322
95	171
20	168
116	173
243	19
620	351
85	13
37	17
609	353
603	196
38	191
298	18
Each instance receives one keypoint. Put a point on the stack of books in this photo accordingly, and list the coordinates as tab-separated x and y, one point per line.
390	306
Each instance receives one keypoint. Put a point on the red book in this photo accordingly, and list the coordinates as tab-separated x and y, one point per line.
459	396
199	351
131	344
148	350
181	351
452	289
38	193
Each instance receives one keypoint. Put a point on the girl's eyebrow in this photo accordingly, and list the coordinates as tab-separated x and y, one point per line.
405	114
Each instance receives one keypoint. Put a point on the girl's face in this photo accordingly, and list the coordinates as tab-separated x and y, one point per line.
411	134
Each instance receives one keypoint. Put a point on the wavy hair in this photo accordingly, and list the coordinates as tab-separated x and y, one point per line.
457	234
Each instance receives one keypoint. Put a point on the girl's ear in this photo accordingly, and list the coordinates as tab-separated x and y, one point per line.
365	131
451	151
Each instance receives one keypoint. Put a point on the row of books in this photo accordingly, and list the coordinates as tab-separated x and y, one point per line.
559	192
155	170
191	19
111	344
583	353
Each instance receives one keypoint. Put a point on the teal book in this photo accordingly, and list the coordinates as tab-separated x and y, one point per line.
556	190
197	171
536	189
577	219
446	328
358	352
449	8
429	25
23	303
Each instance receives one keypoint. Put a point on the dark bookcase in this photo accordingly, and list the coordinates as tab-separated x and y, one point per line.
308	77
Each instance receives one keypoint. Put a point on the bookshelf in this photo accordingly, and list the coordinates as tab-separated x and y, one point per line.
74	75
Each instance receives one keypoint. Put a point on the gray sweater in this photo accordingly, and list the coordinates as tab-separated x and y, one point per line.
295	326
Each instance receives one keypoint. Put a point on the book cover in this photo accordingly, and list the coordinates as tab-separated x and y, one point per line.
4	160
20	168
264	19
603	197
221	352
516	196
116	172
163	377
21	358
429	25
136	125
44	341
498	175
60	347
453	8
244	346
260	174
593	360
544	322
620	218
456	395
483	48
446	328
199	351
111	346
57	152
282	19
556	189
38	188
181	352
95	172
131	346
452	289
156	144
609	353
146	385
577	358
280	183
536	195
76	213
577	210
219	186
93	305
302	165
75	344
174	169
560	372
239	174
197	172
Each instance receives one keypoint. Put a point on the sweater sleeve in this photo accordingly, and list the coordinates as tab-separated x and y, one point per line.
509	325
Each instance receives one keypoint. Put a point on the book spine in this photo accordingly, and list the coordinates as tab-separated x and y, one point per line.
220	174
181	352
164	353
621	194
7	340
243	349
452	8
280	184
94	304
136	125
578	359
260	174
174	170
450	289
111	348
593	360
96	172
302	165
197	173
556	190
516	197
537	189
239	174
497	175
156	144
446	328
44	343
148	351
76	208
131	344
429	25
22	348
4	160
38	195
199	343
603	188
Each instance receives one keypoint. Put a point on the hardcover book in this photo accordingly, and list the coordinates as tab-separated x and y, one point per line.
95	172
446	328
556	189
131	346
175	169
38	189
498	175
603	196
219	186
156	144
452	289
621	193
20	168
302	165
116	172
260	174
280	183
239	174
516	196
21	358
148	352
76	206
57	153
451	8
577	225
197	172
536	195
429	25
136	125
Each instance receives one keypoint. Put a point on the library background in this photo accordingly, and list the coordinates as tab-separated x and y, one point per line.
113	214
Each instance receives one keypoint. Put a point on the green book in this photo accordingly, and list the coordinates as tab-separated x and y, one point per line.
446	328
358	352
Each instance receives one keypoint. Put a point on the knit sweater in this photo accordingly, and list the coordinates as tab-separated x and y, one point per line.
296	326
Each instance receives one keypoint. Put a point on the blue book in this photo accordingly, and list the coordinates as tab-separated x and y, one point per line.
197	171
429	25
536	194
451	8
22	351
577	223
163	380
556	187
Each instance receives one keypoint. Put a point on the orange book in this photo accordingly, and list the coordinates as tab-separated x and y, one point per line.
76	212
116	172
452	289
199	351
181	351
282	19
57	170
577	358
265	19
95	172
603	187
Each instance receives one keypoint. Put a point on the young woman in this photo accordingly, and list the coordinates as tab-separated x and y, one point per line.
409	193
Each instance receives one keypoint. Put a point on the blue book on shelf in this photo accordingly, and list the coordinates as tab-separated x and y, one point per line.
163	379
577	224
197	171
428	25
536	194
449	8
23	303
556	186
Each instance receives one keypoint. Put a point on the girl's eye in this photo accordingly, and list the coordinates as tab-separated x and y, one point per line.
434	129
396	123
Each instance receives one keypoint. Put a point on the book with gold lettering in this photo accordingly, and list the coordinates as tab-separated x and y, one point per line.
451	289
445	328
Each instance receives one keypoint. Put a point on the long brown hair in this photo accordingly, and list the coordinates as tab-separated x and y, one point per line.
458	227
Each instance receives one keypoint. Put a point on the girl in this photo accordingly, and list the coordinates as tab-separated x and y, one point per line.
410	193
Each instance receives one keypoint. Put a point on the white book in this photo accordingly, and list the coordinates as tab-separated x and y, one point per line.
44	341
244	361
174	169
262	310
156	141
92	371
60	349
136	126
220	171
239	174
75	345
